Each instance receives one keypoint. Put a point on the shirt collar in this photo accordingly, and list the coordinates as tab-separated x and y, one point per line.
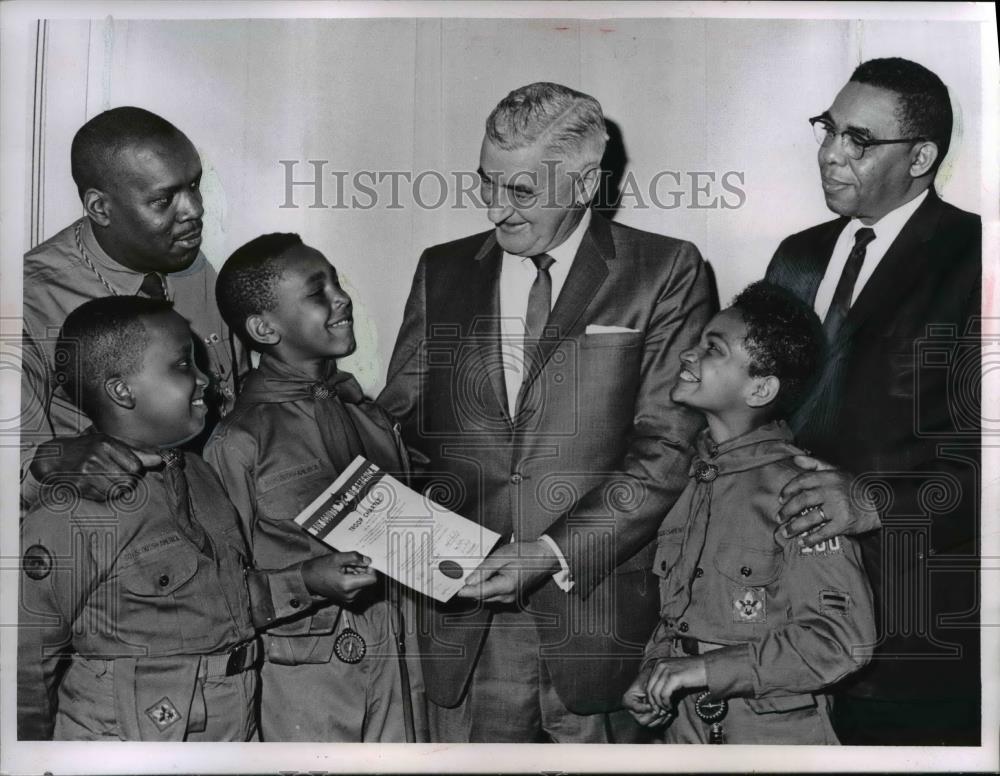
124	278
888	227
566	250
564	253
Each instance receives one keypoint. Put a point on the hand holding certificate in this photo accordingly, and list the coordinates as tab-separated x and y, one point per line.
407	536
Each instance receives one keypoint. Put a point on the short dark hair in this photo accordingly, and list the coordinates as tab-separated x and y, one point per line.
246	281
100	339
784	339
100	140
924	105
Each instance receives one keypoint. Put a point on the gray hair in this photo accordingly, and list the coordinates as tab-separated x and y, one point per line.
568	122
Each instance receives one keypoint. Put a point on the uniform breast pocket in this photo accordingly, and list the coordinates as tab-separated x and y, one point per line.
152	591
283	494
747	572
625	340
668	550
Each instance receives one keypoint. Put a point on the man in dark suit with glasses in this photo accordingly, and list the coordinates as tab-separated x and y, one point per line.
896	280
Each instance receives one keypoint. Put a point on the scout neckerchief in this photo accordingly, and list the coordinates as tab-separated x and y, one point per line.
711	462
274	382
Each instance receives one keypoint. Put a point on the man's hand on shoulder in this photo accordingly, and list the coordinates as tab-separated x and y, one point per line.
95	465
822	502
512	568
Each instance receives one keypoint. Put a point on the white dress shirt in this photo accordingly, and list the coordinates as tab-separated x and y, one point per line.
517	275
887	229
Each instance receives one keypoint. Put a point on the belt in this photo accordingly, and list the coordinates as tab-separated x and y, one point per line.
239	659
692	646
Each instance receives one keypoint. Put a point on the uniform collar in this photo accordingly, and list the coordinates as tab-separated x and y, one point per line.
761	446
275	382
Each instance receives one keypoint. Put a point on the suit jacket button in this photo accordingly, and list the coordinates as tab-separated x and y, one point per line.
683	627
699	572
746	571
294	603
164	580
515	478
663	565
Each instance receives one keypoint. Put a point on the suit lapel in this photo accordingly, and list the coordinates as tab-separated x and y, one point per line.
484	302
901	266
814	265
585	278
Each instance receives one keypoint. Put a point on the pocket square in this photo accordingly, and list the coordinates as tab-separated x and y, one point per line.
596	328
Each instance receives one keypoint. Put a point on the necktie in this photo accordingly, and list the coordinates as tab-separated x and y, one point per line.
841	303
678	582
539	299
179	501
153	286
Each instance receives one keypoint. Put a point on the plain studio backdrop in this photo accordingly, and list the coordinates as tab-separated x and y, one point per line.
709	127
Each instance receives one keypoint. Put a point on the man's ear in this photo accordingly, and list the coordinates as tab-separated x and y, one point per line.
97	206
120	392
260	330
923	157
586	183
764	391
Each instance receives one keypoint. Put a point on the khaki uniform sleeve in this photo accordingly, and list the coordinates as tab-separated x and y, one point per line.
829	634
57	576
275	594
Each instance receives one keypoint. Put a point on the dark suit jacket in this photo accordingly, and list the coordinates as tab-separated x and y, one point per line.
902	384
596	466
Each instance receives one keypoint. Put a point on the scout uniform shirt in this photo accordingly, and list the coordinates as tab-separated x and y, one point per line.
58	279
156	606
775	622
287	439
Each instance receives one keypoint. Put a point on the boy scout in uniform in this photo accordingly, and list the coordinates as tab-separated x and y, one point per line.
138	613
753	625
331	674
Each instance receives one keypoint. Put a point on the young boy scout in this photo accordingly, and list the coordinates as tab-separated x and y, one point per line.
753	626
333	673
138	614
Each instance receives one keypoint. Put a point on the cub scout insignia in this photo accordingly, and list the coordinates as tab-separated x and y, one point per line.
163	713
834	602
750	606
350	647
825	547
37	562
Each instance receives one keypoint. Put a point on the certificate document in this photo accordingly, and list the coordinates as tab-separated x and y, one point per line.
408	536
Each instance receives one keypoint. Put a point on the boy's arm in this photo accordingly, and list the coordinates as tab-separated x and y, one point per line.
830	633
57	575
275	594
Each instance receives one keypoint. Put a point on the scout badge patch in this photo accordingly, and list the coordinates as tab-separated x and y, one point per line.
37	562
750	605
712	712
163	713
350	647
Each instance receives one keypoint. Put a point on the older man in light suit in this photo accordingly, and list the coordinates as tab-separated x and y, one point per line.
533	368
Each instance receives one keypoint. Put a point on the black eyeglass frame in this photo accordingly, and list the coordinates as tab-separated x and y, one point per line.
864	145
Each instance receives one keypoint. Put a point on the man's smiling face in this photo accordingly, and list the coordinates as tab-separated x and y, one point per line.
531	197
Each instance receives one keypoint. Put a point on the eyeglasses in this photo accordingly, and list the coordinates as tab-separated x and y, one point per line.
853	144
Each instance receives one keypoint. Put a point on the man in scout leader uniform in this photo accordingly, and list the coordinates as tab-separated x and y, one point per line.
138	177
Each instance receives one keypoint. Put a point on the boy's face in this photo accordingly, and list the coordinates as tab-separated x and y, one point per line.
715	376
168	390
314	315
